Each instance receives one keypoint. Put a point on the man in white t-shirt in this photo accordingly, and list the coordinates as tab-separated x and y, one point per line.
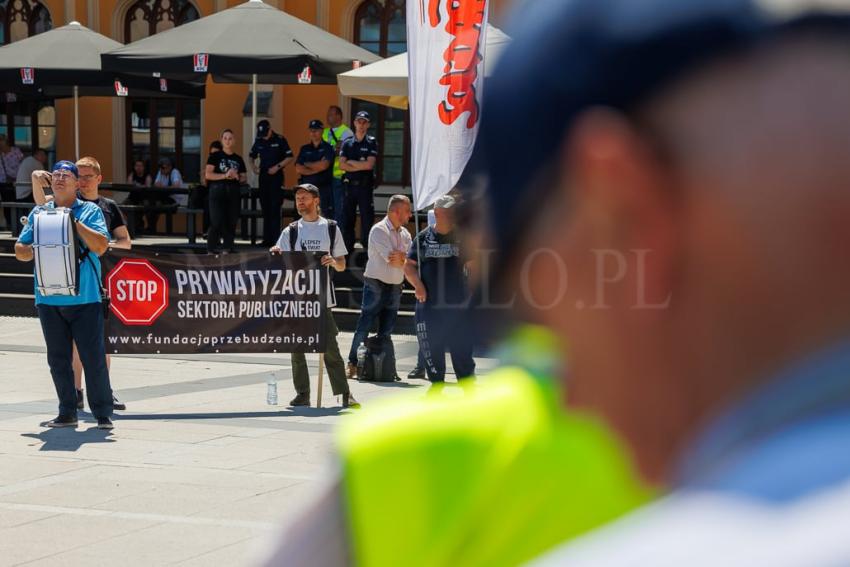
23	183
315	234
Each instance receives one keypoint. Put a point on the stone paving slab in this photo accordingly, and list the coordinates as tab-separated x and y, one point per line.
198	472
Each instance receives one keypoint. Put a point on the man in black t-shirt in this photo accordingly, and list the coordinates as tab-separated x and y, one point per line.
357	159
274	154
226	173
441	291
315	166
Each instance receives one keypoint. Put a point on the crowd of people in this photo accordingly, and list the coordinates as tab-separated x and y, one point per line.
336	170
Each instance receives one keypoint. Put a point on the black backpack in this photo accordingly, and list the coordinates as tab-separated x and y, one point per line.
293	235
380	361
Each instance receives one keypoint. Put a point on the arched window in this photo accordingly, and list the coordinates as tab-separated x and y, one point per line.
147	17
26	123
380	27
158	128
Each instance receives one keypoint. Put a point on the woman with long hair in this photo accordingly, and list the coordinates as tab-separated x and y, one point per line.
226	173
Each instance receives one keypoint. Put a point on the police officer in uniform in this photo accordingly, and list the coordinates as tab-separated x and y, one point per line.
275	154
335	134
315	166
357	159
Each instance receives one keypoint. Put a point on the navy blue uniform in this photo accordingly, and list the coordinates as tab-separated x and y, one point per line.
438	326
324	179
271	151
359	187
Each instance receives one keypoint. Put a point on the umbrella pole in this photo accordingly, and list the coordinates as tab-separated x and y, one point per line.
76	122
253	102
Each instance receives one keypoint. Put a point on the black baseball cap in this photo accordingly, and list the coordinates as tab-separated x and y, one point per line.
309	187
263	127
316	125
362	115
569	56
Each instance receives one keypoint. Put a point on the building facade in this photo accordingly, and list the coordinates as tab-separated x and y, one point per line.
120	130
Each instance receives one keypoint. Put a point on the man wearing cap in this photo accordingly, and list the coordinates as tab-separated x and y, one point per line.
335	134
696	198
357	159
274	155
313	165
90	179
435	269
69	319
314	233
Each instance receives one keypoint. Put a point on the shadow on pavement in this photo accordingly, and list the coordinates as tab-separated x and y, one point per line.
70	439
317	412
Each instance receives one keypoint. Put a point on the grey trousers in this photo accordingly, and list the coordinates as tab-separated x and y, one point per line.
333	363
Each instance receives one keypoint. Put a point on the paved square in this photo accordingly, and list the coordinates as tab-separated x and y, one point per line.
198	471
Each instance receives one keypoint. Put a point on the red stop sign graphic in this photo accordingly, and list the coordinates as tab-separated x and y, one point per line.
138	292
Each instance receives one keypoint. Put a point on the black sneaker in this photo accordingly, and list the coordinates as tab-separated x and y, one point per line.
80	399
348	401
417	373
118	404
63	421
300	400
104	423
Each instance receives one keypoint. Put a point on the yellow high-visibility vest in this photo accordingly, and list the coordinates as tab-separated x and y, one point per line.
493	477
339	132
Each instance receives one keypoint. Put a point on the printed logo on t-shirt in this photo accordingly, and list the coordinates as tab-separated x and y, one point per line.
225	164
311	245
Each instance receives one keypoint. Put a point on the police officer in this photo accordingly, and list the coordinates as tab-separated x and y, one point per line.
275	154
357	159
314	165
335	134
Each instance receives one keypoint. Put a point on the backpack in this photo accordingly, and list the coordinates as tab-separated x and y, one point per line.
380	360
293	235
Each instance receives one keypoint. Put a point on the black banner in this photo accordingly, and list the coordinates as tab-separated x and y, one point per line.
195	303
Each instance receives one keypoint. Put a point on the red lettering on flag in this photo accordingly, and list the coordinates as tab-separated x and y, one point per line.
465	20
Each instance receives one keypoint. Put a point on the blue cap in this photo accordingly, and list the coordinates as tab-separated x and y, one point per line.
570	55
67	166
362	115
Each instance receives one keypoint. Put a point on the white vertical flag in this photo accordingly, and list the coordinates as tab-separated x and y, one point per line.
445	40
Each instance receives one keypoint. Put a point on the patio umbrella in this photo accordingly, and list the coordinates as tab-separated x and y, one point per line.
385	82
65	62
249	43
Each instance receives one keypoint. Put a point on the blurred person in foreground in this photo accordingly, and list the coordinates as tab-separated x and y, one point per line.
490	474
697	200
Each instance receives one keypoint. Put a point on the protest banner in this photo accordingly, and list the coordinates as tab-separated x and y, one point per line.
238	303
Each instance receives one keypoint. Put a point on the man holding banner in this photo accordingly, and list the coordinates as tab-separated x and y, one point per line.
314	233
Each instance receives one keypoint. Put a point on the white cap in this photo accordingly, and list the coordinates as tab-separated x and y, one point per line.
444	202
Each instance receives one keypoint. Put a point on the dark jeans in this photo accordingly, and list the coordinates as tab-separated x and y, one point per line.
441	330
225	207
380	300
338	188
333	363
271	201
83	325
358	197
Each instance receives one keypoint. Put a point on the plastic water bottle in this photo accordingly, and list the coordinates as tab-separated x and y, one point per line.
362	351
271	393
